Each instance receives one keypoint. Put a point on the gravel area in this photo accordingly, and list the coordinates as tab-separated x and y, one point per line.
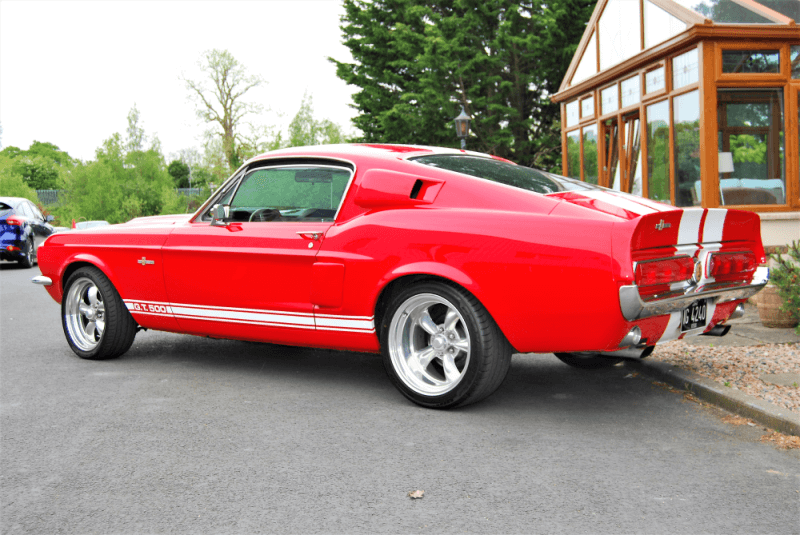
740	367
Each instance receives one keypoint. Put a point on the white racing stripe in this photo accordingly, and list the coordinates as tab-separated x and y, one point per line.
249	316
673	330
715	222
689	230
619	201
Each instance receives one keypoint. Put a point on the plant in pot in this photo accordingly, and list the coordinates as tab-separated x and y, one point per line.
779	301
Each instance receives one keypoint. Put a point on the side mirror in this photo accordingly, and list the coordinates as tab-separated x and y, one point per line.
49	218
218	214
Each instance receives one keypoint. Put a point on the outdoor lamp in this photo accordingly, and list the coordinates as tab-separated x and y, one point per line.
462	127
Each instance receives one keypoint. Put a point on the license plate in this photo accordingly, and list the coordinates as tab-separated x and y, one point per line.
694	316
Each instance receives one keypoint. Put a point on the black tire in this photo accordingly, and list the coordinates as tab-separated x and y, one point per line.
588	361
28	255
474	373
103	305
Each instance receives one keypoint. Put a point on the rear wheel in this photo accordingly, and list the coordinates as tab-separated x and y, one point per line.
95	320
441	348
588	361
28	254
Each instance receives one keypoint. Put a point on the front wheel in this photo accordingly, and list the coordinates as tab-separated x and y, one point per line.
95	320
588	361
441	348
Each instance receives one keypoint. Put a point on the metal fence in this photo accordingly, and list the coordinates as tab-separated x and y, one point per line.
50	197
189	192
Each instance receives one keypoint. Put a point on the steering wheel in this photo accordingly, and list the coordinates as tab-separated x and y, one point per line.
265	214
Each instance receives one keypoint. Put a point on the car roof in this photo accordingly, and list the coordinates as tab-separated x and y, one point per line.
13	202
387	151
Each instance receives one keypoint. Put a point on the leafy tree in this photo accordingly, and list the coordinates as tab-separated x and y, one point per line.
11	182
417	62
42	166
179	172
305	130
124	182
223	102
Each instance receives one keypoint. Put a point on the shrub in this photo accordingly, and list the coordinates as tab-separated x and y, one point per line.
785	276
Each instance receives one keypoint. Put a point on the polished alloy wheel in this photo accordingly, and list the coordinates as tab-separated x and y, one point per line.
85	314
429	344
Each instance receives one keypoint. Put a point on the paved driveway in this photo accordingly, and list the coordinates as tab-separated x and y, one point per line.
191	435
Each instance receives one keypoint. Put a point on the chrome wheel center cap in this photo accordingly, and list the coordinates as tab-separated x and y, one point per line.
439	342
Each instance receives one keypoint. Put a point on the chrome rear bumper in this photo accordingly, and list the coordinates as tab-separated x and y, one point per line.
44	281
634	307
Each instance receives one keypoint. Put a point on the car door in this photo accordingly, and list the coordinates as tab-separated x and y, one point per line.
249	275
41	228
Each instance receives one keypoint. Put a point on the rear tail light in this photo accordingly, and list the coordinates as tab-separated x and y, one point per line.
664	271
12	249
15	221
731	265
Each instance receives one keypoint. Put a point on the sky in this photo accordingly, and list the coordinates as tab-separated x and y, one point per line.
71	71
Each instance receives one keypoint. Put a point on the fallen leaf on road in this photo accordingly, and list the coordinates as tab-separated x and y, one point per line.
784	442
416	494
736	420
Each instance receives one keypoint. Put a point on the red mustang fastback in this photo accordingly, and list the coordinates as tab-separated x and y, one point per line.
445	261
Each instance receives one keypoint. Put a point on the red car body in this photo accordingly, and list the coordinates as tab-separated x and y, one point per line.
556	272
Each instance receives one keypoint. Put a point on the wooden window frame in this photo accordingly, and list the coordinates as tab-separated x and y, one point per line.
782	75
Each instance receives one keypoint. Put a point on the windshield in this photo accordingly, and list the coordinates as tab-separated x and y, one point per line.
506	173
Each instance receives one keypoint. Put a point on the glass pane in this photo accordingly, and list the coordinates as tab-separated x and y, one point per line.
588	64
654	80
587	107
290	194
751	61
685	69
751	133
659	25
574	154
658	151
611	161
686	111
795	59
633	142
619	32
610	99
572	113
728	11
631	89
590	154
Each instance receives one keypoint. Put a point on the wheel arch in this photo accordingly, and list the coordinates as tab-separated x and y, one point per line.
401	278
84	260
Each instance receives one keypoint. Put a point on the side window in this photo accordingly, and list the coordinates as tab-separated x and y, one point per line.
36	213
291	193
24	210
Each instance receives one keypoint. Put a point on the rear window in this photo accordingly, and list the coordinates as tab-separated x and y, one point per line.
5	209
506	173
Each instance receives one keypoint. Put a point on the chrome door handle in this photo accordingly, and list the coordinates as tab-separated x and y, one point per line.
310	234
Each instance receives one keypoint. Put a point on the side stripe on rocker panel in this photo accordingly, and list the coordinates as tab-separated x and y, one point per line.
270	318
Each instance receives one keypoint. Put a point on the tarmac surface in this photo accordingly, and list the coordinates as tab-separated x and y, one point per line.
746	331
190	435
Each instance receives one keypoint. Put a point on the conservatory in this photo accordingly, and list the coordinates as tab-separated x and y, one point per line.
692	103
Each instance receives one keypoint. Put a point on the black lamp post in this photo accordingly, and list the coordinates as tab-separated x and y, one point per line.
462	127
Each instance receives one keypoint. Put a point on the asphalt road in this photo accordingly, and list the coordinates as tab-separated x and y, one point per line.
189	435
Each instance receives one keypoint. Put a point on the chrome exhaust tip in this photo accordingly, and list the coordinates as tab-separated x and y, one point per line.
718	330
738	312
631	339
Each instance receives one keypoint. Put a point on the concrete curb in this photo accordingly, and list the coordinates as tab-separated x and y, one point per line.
729	399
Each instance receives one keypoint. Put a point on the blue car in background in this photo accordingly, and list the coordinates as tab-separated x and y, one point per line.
22	229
